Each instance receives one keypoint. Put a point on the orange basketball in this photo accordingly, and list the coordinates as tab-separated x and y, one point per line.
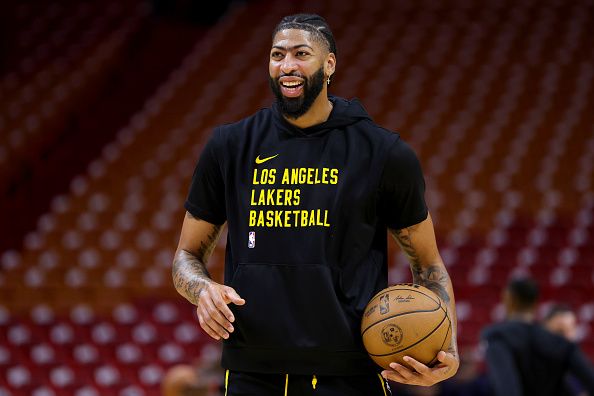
405	320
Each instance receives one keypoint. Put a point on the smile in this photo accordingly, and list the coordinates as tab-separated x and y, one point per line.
291	84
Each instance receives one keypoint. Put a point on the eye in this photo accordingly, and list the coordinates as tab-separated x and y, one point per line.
302	53
276	55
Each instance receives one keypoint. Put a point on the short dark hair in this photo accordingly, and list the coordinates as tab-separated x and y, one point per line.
524	292
312	23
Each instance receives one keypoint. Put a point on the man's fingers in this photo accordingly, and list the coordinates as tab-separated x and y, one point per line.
214	314
418	366
448	365
446	358
231	296
403	371
224	311
206	327
214	318
393	376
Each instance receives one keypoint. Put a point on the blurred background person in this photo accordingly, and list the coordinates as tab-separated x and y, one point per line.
522	357
182	380
560	319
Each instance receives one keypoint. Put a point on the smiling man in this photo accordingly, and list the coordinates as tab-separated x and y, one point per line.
309	189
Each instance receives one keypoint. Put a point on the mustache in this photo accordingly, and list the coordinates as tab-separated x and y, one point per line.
292	74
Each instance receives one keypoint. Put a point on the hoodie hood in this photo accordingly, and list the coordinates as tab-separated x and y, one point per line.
344	112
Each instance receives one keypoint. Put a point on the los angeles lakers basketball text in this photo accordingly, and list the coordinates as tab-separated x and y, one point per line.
262	194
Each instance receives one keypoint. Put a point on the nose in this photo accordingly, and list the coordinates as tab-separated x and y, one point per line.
288	64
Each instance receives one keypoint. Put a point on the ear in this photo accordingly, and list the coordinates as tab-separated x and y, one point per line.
330	64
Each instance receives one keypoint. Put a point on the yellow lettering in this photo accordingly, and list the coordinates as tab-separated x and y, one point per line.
270	197
325	175
297	197
286	176
266	176
288	195
303	218
326	219
278	221
310	175
312	218
269	218
288	218
334	176
302	175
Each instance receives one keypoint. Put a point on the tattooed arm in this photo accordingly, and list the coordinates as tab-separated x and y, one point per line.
419	245
192	280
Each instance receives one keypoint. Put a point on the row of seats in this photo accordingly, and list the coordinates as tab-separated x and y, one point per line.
131	346
73	54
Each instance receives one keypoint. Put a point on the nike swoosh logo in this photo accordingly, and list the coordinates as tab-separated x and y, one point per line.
262	160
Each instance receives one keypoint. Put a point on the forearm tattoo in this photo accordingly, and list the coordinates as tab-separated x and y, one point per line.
405	242
432	276
190	275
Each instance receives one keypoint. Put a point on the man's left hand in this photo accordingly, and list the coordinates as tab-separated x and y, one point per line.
423	375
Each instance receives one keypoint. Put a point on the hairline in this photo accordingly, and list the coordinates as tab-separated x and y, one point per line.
312	30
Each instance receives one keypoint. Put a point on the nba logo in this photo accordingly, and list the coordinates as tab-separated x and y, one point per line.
385	304
252	240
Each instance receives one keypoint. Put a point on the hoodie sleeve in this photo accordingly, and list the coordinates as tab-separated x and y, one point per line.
206	199
402	188
582	369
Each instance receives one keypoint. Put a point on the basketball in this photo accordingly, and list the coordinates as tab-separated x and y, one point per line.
405	320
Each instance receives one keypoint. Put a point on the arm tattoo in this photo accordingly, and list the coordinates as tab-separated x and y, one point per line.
432	276
190	275
428	270
405	242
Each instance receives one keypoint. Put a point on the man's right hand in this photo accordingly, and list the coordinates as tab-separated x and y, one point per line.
214	315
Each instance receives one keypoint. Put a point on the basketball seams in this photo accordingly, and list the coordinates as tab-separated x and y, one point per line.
446	336
397	315
386	333
418	341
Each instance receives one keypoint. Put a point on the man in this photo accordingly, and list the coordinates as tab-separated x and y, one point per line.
308	189
182	380
523	358
560	319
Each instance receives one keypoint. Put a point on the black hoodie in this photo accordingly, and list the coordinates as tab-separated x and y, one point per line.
524	359
307	212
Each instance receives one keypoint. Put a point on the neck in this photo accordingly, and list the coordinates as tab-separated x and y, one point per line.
319	112
521	316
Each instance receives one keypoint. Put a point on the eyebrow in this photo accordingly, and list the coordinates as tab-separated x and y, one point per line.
293	47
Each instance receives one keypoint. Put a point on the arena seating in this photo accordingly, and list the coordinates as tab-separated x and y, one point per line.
494	98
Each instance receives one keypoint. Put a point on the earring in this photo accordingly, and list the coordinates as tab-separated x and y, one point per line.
328	80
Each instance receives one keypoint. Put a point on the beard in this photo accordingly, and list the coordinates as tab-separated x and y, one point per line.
296	107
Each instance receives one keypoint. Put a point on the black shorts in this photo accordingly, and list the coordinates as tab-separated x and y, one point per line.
252	384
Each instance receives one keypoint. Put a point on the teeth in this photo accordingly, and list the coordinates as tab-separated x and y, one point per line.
291	83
